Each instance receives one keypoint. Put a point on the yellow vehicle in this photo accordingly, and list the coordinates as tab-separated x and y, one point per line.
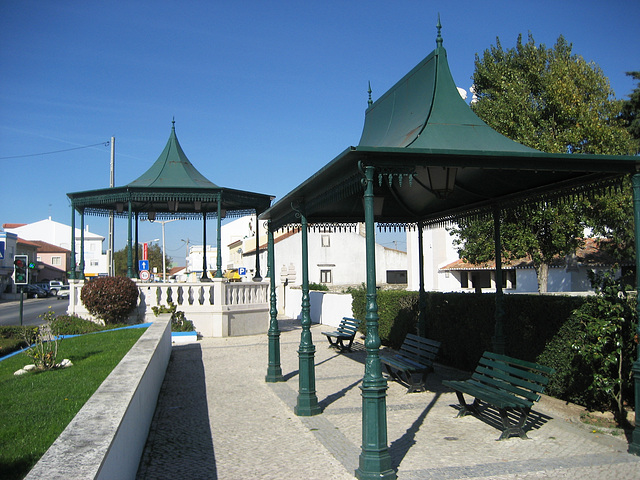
232	274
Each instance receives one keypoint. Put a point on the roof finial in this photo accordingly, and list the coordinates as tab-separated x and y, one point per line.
370	102
173	123
439	37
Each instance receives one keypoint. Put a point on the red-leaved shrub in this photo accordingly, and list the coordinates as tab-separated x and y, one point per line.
111	299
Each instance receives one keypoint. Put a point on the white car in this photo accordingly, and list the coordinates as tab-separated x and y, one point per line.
54	286
63	292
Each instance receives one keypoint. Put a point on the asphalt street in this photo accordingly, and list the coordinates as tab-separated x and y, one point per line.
32	308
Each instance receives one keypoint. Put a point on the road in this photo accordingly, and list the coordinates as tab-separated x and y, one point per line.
32	308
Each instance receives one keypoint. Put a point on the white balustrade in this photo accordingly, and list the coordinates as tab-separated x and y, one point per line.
217	308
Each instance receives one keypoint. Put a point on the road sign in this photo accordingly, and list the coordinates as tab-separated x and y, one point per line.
143	265
145	253
242	271
144	275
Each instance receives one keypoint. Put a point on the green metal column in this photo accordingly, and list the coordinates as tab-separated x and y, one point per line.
498	338
81	276
375	461
72	272
205	276
219	240
422	300
634	446
307	404
130	272
257	277
136	262
274	370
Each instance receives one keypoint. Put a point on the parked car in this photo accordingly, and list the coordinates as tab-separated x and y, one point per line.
54	286
32	291
63	292
45	286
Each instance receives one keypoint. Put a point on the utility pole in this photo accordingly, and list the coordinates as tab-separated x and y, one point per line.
111	266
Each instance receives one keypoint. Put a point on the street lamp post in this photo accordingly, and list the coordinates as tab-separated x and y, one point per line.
164	258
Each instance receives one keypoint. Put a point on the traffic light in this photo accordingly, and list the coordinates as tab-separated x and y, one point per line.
20	270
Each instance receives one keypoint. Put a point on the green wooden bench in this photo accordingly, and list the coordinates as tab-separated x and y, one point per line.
414	359
346	332
506	383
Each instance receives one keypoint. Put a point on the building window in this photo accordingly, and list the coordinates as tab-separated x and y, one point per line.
38	258
56	260
464	279
396	276
325	276
326	241
93	263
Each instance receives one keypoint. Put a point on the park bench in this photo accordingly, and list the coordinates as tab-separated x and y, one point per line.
506	383
346	332
414	359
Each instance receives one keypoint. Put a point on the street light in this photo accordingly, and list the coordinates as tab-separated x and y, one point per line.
164	259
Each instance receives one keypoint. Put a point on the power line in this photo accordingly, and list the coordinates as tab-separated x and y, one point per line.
106	144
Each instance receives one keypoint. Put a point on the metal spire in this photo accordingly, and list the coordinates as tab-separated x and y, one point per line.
439	37
370	102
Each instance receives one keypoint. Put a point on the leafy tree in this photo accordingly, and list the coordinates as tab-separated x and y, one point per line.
552	100
606	343
155	259
631	111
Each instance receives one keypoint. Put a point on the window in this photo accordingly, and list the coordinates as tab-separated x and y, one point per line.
325	276
38	258
93	263
56	260
326	241
397	276
464	279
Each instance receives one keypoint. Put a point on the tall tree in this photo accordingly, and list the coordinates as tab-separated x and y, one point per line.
155	259
631	111
552	100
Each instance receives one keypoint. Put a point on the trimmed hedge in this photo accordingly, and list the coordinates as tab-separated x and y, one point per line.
111	299
464	322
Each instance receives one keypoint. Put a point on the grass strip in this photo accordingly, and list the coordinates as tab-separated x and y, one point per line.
35	408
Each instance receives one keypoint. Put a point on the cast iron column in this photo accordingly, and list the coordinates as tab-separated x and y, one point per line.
82	244
498	338
634	446
422	302
274	370
72	272
205	276
130	273
257	277
219	240
375	461
136	261
307	404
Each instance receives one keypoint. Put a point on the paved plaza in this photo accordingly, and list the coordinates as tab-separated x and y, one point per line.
217	418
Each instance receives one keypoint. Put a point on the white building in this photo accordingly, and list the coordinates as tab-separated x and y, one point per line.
446	272
335	257
55	233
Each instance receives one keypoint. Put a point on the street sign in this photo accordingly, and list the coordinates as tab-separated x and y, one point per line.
242	271
143	265
144	275
145	253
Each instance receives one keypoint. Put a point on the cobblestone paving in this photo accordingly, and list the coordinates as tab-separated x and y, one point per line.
217	418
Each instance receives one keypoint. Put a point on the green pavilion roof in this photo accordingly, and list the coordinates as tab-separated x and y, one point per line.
419	125
171	187
172	169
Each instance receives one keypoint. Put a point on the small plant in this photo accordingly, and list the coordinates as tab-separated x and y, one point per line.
178	321
111	299
44	352
319	287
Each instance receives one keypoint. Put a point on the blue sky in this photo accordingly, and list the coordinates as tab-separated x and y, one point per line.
263	93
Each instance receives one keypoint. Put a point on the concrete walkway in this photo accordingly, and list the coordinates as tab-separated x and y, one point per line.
218	419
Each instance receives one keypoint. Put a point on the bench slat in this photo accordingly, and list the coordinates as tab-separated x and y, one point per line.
502	385
511	380
522	363
515	371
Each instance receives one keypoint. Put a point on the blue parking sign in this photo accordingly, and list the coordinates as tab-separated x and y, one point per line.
242	271
143	265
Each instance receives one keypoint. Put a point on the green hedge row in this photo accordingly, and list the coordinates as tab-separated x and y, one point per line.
464	322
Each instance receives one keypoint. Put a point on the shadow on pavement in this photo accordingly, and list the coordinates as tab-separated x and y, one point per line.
180	443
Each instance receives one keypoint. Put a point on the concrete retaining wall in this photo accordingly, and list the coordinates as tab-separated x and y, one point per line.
106	438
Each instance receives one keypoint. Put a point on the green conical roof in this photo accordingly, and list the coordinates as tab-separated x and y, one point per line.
425	111
172	169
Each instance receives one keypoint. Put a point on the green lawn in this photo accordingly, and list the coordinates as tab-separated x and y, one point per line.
36	407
